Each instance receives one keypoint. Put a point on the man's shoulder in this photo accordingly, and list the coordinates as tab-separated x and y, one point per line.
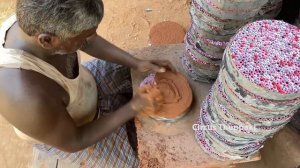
30	101
19	85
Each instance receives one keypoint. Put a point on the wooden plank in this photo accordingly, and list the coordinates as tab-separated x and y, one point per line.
169	145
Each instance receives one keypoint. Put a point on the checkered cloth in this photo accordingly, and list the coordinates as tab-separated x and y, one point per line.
114	151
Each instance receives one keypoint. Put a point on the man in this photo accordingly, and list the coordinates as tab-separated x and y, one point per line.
72	111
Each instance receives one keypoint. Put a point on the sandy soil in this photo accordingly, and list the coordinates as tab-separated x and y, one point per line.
127	24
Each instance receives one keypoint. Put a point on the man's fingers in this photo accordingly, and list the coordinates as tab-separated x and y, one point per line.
166	64
157	68
172	68
143	89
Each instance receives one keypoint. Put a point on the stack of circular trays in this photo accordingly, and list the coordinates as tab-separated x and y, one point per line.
256	93
270	10
214	22
297	22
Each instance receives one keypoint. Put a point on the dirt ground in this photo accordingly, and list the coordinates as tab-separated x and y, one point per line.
126	24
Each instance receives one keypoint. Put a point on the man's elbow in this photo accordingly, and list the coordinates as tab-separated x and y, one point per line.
71	148
71	145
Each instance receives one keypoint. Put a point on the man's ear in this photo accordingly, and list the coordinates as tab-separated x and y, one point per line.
46	40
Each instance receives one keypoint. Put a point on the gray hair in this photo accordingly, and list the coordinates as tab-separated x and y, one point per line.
63	18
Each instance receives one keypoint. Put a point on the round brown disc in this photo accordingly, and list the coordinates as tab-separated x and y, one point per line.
166	33
177	96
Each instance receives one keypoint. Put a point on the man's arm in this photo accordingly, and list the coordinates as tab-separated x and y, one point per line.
102	49
37	109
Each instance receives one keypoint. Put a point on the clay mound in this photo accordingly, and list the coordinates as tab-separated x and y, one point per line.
166	33
176	93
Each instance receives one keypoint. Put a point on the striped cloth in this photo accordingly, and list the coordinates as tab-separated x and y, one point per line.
114	151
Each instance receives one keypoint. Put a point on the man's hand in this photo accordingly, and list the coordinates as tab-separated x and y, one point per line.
155	66
148	98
